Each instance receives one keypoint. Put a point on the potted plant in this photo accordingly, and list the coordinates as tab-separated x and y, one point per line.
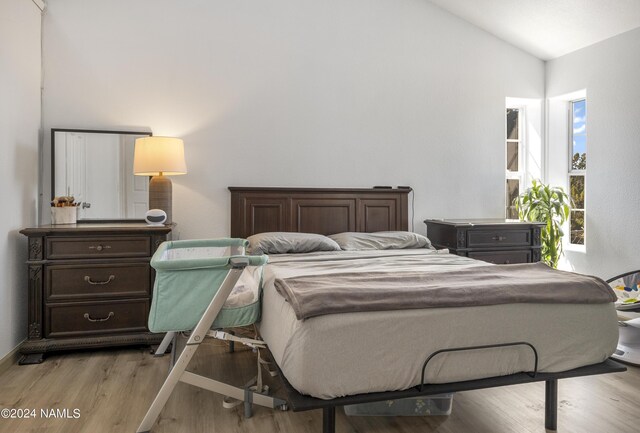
550	205
64	210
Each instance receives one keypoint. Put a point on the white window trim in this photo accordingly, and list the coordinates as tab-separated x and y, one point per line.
519	175
574	172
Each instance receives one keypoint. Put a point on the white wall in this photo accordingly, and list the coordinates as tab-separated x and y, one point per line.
609	72
294	93
19	125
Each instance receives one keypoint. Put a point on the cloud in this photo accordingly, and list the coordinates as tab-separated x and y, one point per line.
580	129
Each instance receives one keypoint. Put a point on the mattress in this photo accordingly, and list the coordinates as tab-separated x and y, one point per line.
350	353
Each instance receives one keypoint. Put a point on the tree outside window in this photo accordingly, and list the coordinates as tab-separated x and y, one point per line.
578	170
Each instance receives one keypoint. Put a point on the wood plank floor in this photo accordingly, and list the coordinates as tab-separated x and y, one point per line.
113	389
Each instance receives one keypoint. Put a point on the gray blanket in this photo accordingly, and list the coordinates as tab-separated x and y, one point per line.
344	292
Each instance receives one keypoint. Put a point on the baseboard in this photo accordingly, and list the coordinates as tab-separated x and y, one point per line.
10	359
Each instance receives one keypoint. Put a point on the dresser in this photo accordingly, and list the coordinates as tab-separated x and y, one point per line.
89	286
497	241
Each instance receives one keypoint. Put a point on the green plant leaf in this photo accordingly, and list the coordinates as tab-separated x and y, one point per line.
550	205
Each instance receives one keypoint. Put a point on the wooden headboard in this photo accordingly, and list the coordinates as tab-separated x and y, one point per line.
317	210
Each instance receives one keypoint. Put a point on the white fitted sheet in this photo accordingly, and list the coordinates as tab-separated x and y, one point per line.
350	353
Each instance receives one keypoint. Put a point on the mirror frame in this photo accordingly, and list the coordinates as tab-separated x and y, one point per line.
53	167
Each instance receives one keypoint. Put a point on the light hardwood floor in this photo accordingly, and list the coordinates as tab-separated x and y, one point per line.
113	389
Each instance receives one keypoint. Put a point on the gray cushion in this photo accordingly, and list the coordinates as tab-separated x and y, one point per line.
289	242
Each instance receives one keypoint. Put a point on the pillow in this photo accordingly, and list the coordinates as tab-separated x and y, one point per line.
289	242
351	241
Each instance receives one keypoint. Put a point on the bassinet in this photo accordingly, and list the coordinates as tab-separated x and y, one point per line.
194	280
188	276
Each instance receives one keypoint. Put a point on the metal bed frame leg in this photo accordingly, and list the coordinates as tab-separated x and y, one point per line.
551	405
329	419
550	410
232	345
174	351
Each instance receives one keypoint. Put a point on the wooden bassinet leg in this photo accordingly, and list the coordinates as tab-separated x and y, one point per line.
198	335
166	341
167	388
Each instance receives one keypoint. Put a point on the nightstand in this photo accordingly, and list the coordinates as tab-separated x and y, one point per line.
498	241
89	286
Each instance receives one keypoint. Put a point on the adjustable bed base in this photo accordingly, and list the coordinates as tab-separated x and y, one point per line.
299	402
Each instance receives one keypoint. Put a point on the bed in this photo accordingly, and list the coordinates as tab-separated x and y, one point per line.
442	349
310	351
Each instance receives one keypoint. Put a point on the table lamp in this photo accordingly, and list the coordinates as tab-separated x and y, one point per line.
159	157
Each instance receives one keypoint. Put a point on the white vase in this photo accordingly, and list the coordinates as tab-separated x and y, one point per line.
64	215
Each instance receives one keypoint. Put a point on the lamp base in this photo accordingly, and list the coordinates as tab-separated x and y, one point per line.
160	195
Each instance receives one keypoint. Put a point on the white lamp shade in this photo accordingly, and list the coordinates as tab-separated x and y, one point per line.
155	155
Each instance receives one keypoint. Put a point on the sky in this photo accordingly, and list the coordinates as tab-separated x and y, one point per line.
579	126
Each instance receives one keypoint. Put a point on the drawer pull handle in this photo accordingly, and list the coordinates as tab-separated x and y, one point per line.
499	238
100	247
87	278
109	316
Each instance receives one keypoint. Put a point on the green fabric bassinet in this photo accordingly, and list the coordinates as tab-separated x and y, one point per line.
188	275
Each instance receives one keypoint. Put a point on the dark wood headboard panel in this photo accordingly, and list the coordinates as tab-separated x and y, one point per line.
317	210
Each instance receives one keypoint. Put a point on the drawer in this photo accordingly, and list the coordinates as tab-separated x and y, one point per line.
498	238
84	281
87	318
104	246
502	257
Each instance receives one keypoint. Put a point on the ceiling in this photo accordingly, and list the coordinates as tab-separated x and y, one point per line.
548	28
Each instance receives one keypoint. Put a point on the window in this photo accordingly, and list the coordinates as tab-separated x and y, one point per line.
515	160
577	169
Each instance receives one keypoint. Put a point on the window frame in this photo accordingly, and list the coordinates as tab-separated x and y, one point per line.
521	140
573	172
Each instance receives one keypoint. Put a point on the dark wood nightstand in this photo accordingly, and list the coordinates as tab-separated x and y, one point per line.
497	241
90	286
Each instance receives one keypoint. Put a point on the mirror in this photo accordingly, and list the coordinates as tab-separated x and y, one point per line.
96	167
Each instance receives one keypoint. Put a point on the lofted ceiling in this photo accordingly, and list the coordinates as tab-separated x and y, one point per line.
548	28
